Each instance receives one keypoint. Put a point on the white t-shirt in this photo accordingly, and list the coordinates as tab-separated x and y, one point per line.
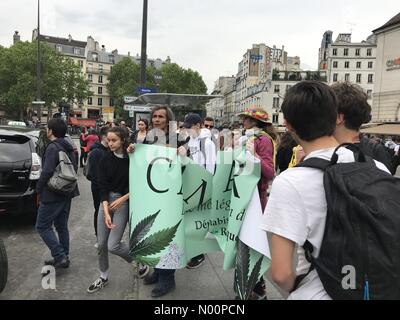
296	210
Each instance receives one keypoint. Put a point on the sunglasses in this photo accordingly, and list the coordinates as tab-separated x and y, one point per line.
208	126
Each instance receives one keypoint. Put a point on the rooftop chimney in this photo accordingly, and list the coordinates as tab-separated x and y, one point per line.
69	38
17	37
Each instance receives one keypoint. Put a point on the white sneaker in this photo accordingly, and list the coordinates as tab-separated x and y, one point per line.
98	284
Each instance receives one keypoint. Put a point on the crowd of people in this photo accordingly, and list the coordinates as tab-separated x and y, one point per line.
319	119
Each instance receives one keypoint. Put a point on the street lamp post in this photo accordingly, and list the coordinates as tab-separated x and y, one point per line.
144	46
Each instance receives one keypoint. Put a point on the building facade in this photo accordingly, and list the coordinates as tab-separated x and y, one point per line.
353	62
96	65
386	102
324	50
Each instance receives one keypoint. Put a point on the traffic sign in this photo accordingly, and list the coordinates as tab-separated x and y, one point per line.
132	108
146	90
131	114
129	99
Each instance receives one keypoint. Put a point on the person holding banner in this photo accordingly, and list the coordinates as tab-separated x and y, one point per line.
113	178
160	134
260	142
201	149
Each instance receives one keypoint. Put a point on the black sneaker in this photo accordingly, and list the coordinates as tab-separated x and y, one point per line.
151	279
143	270
64	263
195	262
160	291
97	285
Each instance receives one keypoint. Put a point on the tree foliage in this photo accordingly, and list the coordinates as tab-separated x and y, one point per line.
62	79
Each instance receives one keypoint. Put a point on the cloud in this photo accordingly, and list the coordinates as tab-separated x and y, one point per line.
209	36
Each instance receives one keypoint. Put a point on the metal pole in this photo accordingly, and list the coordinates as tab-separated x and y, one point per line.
38	69
144	46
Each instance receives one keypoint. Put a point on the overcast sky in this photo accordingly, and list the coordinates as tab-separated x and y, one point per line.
209	36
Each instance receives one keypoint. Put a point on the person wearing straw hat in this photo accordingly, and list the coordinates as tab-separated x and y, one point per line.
260	141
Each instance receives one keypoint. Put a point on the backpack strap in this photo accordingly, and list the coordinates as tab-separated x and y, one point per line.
316	163
308	249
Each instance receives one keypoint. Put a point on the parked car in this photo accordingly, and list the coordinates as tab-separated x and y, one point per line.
16	124
20	169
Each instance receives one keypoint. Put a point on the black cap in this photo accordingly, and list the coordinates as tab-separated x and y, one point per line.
191	119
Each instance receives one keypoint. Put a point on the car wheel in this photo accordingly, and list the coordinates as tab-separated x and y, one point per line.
3	266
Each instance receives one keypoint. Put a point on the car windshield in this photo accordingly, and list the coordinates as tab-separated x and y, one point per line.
14	148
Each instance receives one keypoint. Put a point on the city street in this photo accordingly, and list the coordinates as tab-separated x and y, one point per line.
26	253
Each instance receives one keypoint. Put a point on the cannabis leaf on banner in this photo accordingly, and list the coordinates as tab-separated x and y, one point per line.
141	247
245	284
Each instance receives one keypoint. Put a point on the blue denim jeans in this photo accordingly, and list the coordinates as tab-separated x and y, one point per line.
54	214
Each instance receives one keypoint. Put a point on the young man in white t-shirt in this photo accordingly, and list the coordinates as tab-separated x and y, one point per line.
296	208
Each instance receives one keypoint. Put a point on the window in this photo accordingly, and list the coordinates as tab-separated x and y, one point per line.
275	118
369	94
334	52
100	90
347	77
358	64
277	88
90	101
357	52
80	63
347	64
369	52
276	103
335	77
100	101
346	52
90	67
59	48
370	65
100	79
111	102
335	63
358	78
288	86
90	77
370	78
77	51
95	57
100	67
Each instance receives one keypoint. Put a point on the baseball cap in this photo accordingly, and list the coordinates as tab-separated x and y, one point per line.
191	119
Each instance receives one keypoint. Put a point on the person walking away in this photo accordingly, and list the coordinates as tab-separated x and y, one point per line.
353	111
54	207
297	207
90	139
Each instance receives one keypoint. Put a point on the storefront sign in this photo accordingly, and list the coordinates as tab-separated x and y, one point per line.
393	64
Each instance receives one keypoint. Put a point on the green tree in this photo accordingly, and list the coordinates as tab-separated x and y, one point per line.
124	80
62	80
176	79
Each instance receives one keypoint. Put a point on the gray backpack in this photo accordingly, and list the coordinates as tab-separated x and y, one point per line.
64	179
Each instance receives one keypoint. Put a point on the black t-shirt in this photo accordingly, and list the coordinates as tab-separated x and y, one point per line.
113	175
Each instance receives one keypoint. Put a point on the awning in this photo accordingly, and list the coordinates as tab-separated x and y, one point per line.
384	129
82	122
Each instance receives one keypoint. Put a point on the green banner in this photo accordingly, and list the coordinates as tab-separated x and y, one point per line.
179	210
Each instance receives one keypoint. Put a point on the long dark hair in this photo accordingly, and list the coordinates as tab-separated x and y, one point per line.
122	134
170	114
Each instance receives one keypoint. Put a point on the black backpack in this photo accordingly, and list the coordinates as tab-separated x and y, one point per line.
362	229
